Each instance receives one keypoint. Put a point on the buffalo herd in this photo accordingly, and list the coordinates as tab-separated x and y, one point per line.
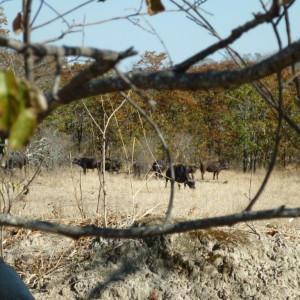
182	173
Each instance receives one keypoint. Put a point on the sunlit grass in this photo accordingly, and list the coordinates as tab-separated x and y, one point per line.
52	195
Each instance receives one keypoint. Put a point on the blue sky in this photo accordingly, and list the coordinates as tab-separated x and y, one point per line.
181	37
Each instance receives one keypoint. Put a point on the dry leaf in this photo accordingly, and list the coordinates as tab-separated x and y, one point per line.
154	7
153	296
18	24
272	233
286	2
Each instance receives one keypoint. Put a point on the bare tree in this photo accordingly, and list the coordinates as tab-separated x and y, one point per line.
103	132
103	76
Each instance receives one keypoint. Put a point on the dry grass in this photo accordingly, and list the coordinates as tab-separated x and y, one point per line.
52	195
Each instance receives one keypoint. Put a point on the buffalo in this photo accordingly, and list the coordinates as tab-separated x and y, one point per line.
159	166
191	169
113	165
140	168
87	162
16	160
213	166
181	176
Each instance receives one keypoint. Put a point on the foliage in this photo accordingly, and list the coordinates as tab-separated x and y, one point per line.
20	102
230	124
3	22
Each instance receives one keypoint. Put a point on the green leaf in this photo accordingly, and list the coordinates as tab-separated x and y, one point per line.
32	97
9	102
20	103
22	129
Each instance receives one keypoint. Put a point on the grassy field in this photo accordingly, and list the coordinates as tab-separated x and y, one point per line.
68	194
255	250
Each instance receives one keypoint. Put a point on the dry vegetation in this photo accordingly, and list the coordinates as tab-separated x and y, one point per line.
55	195
57	267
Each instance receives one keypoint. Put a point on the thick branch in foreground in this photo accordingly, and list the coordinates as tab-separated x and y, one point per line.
140	232
98	68
169	80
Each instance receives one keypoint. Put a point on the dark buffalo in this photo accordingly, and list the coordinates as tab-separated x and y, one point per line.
139	168
191	170
113	165
87	162
16	160
213	166
159	166
181	176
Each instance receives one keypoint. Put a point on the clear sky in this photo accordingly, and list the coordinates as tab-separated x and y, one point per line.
181	36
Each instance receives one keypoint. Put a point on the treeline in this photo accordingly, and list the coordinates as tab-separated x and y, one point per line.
234	124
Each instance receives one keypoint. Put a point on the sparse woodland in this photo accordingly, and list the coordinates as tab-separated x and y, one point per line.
241	109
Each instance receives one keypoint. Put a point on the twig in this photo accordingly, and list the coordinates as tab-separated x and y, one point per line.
147	212
160	135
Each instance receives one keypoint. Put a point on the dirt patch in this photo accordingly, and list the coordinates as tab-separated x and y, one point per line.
220	263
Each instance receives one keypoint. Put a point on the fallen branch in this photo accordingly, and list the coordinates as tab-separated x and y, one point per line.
140	232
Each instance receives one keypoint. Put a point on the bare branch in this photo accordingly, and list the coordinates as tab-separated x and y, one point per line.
162	139
102	65
167	79
60	16
276	147
288	29
139	232
236	33
159	134
279	124
28	57
41	51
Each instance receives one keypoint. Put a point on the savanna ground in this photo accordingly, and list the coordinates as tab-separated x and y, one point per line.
257	260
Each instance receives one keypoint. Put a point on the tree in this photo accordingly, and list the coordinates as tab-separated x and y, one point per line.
103	76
